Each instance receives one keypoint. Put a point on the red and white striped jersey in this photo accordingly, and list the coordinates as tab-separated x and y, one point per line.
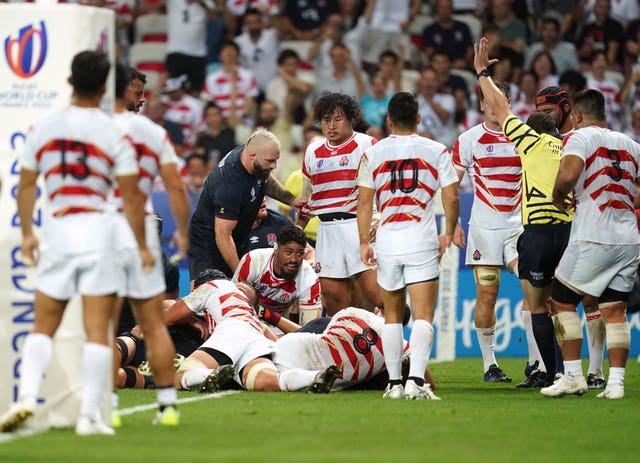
405	172
493	163
79	151
353	341
218	88
240	7
153	149
187	112
605	189
218	300
256	268
333	171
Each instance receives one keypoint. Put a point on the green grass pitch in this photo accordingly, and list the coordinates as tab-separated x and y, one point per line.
474	422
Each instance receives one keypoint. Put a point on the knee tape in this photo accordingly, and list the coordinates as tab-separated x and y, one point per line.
568	326
191	363
618	335
253	373
487	276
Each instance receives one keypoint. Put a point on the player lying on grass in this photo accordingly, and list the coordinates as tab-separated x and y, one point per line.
239	347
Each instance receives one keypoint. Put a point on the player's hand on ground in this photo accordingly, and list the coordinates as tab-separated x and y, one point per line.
367	255
28	249
445	241
458	237
147	259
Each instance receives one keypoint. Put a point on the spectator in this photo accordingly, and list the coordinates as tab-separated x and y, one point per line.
216	139
197	170
390	66
154	110
302	19
505	29
345	77
602	33
608	87
572	82
287	90
632	43
634	129
374	103
269	117
503	70
448	35
387	29
622	11
181	108
436	110
525	105
259	48
544	68
563	53
451	84
563	11
232	87
186	39
268	9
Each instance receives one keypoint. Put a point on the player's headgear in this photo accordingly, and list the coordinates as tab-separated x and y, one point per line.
556	96
209	275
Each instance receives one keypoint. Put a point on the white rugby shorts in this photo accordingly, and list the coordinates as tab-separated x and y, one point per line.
338	249
397	271
240	342
593	267
492	247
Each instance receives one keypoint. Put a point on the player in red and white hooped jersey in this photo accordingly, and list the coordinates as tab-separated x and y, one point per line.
232	87
493	164
182	108
352	339
236	338
403	172
283	279
600	166
145	289
266	7
330	170
77	246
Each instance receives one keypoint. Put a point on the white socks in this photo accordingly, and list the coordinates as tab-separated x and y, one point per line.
194	377
420	341
392	346
296	379
167	396
487	341
36	355
97	362
573	368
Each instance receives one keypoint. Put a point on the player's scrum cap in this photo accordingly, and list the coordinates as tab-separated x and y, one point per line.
174	83
556	96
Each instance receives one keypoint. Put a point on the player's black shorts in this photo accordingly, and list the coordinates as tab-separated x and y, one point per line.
540	248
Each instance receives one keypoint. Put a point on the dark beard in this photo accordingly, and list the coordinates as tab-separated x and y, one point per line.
260	172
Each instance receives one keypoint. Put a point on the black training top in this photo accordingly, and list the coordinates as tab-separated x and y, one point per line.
266	235
230	192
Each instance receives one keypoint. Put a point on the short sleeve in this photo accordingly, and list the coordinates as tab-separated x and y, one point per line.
365	176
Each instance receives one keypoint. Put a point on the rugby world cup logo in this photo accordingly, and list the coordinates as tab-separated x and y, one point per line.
26	54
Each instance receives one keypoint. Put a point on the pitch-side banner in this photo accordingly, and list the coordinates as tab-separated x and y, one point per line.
38	44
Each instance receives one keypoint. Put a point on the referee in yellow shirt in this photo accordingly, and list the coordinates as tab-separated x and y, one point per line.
546	228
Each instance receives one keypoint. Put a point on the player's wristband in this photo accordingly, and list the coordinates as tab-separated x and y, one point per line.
484	73
271	317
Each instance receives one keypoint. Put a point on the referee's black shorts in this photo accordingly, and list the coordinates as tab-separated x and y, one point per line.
540	248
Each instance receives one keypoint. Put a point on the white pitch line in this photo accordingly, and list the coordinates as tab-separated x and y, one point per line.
153	406
28	432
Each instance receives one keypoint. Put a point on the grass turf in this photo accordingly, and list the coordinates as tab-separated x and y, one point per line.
475	421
